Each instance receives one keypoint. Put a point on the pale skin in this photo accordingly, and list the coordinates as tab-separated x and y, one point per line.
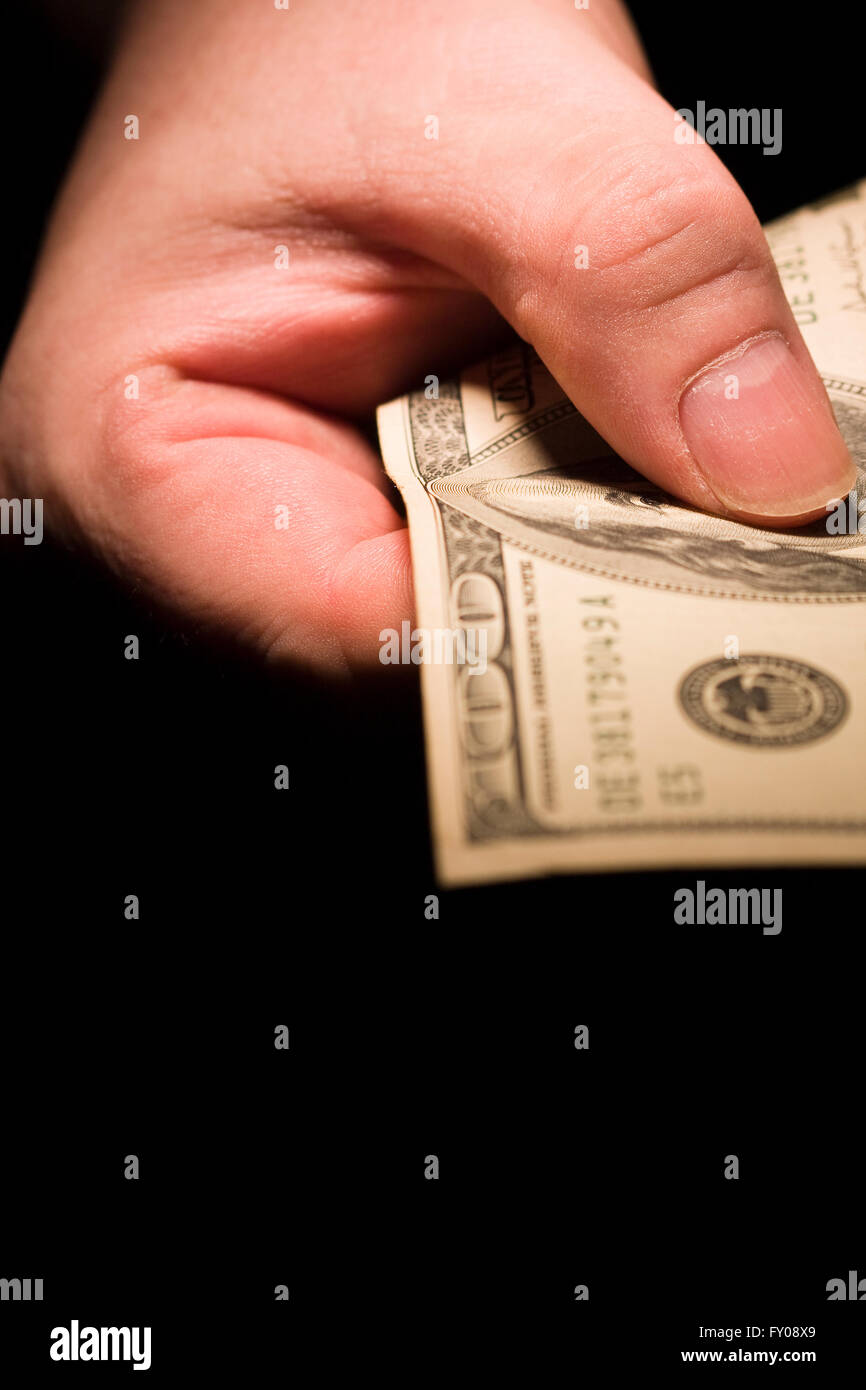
261	128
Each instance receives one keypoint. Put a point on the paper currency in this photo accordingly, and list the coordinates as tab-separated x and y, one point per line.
639	684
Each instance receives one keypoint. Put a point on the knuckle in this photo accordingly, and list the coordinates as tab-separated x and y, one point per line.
137	432
656	228
674	232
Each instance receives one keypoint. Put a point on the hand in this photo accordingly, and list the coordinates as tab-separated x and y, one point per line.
173	384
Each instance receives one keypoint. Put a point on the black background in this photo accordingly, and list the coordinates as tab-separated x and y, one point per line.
408	1037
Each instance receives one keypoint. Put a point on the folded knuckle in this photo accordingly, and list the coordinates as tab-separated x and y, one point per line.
137	432
685	232
654	228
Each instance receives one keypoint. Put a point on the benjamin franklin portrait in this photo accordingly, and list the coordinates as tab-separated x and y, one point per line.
577	511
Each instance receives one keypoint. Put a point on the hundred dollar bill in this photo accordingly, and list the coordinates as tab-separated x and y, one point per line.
640	684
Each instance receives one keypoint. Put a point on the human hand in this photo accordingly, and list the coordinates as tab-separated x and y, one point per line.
173	384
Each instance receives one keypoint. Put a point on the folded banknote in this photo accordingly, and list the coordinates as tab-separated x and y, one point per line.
612	679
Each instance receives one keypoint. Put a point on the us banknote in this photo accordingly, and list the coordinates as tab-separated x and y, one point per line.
639	684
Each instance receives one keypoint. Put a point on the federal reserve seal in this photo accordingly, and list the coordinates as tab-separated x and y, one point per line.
765	701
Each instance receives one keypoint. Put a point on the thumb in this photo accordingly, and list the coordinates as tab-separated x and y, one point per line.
636	267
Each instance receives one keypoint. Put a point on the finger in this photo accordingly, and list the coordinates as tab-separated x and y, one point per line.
637	268
262	518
